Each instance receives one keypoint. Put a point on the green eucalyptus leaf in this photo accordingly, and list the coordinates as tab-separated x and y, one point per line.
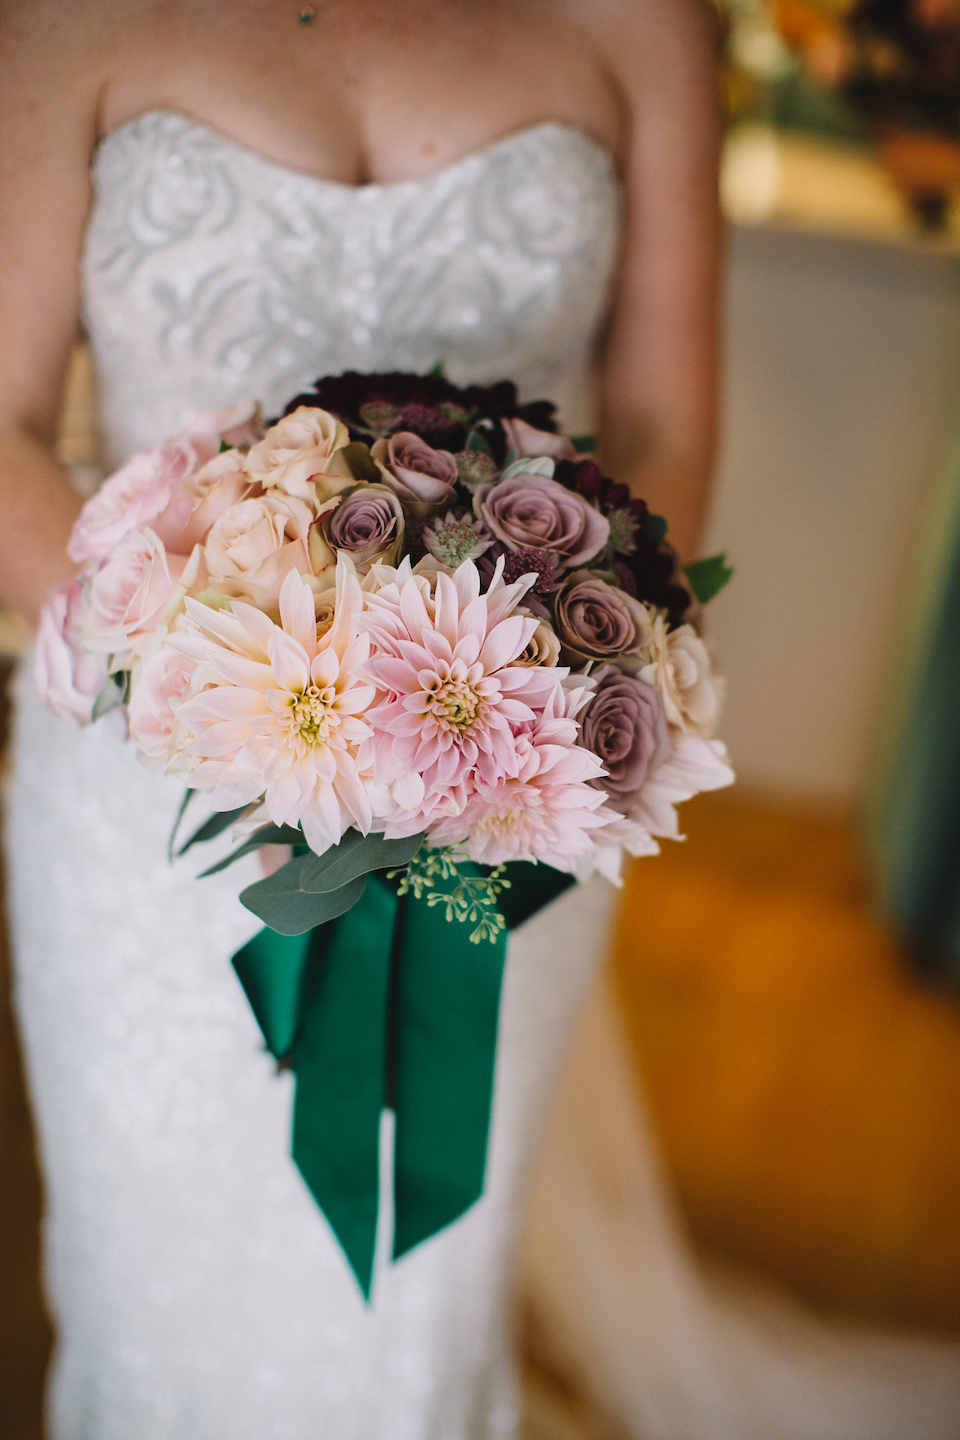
656	526
476	440
111	697
213	827
355	855
269	835
280	902
188	795
360	462
584	444
708	577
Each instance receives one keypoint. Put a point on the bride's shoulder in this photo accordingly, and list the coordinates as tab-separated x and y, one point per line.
652	46
54	59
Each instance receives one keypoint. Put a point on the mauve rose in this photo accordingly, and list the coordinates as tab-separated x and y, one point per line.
598	621
131	594
367	525
157	683
533	512
624	725
133	496
528	441
68	678
414	470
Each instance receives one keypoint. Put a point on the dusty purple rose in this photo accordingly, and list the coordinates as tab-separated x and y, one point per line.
367	524
414	470
533	512
598	621
625	727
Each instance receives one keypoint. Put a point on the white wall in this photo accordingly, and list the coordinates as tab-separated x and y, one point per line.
843	373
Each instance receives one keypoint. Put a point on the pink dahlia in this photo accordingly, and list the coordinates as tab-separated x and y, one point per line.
452	697
548	811
276	711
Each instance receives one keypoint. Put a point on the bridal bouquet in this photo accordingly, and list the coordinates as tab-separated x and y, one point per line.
410	632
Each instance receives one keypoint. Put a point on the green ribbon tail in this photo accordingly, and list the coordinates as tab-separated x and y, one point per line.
448	999
448	1005
324	996
390	1004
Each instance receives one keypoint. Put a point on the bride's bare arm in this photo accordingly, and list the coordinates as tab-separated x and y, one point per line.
49	107
658	402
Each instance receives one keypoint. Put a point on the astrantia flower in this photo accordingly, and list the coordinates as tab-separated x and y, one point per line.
548	811
451	693
455	538
276	712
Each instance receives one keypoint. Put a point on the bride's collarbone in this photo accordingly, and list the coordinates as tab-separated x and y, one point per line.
314	85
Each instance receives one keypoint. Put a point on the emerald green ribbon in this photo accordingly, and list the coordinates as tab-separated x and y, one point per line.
389	1006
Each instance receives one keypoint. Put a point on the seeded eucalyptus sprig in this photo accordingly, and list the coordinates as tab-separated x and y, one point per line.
473	898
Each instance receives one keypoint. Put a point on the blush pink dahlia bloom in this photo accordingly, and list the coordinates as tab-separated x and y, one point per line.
276	711
547	811
451	696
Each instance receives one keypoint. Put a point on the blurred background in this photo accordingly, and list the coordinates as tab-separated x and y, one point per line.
790	975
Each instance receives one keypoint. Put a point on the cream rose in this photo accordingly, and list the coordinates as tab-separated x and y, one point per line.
680	669
298	448
543	647
254	545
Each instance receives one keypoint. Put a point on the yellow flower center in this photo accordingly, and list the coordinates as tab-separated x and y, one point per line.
311	714
455	704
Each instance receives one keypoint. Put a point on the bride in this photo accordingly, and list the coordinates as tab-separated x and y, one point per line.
232	199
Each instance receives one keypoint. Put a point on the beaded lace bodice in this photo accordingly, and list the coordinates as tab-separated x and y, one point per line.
211	273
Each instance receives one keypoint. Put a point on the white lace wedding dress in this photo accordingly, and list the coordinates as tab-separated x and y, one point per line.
197	1291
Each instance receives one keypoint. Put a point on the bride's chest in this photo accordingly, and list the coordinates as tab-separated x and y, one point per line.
208	267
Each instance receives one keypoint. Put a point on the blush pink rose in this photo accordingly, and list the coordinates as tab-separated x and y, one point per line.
135	495
158	682
414	470
233	425
529	442
198	501
68	678
131	595
533	512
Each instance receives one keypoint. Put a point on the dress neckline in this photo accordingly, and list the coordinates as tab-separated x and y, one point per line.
512	139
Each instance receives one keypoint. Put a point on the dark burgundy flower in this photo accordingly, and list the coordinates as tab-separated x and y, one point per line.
516	563
441	413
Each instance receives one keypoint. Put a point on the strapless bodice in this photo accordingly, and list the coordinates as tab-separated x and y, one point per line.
211	273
